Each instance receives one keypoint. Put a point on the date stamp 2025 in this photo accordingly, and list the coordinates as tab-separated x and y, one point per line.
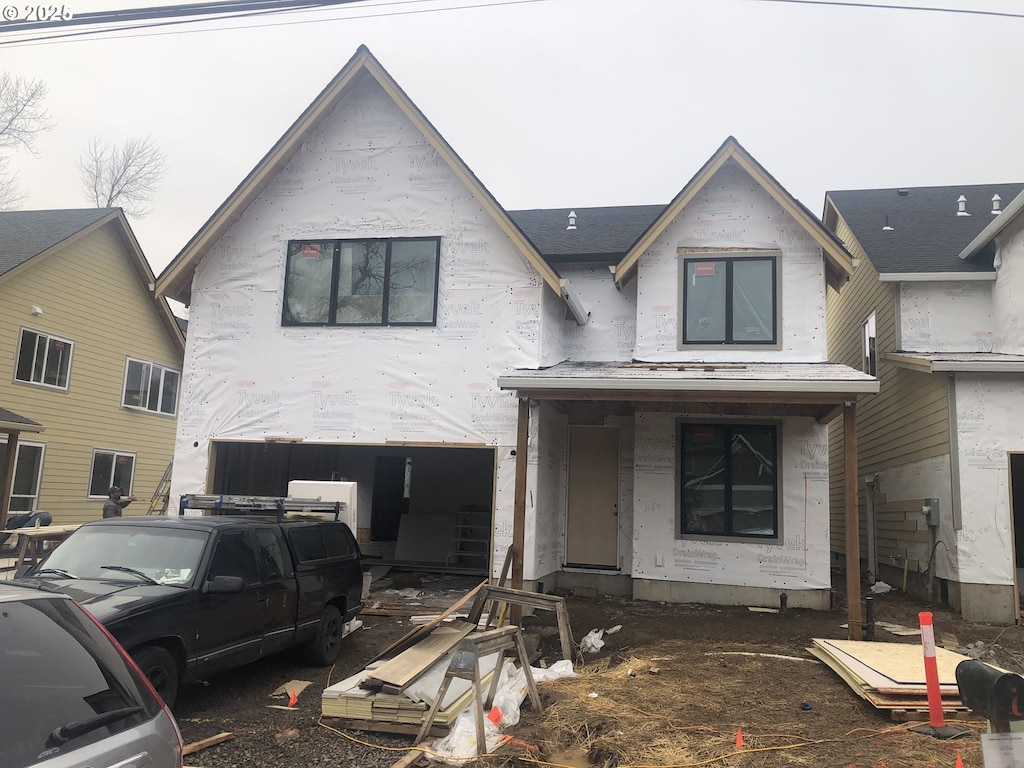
37	13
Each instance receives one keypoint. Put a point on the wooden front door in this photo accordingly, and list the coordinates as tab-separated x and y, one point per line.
592	525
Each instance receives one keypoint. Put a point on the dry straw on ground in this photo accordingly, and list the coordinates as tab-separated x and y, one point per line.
684	703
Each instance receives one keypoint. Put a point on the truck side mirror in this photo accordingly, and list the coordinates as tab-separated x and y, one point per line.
225	585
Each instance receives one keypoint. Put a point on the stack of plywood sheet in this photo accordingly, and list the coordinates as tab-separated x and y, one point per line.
891	675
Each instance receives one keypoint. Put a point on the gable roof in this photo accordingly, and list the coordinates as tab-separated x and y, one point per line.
981	243
601	234
927	235
176	279
26	236
838	262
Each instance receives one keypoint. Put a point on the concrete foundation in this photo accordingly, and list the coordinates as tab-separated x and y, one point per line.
723	594
984	603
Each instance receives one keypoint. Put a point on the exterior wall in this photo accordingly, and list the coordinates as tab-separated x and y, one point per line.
249	378
907	421
610	334
1008	293
727	571
90	294
732	210
946	317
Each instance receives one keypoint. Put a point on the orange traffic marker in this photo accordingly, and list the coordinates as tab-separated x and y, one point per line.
739	737
292	698
959	760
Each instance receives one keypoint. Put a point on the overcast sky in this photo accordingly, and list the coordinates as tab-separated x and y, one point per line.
554	103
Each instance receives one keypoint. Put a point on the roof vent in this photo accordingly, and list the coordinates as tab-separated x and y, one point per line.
903	192
887	228
572	220
961	206
996	200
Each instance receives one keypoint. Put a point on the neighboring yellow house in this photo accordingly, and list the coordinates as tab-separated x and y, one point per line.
89	353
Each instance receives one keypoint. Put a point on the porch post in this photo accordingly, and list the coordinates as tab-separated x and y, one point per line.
519	511
8	487
851	515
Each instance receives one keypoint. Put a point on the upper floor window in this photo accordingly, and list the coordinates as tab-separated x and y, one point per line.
729	484
361	282
870	359
729	300
43	359
150	387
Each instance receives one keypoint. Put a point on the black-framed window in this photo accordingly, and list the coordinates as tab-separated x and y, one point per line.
362	282
150	387
729	300
729	480
43	359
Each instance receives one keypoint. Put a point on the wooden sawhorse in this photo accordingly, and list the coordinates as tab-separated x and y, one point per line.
465	664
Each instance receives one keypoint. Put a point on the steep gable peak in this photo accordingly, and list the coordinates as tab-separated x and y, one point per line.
176	280
838	261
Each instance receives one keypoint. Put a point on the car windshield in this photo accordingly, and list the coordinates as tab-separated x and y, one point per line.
68	685
128	553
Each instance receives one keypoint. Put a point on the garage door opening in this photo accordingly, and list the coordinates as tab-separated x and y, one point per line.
425	508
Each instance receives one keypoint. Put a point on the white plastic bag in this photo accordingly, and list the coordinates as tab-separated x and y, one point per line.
592	642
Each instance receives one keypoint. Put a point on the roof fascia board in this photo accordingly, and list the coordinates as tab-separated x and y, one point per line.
997	225
171	282
929	365
816	386
141	264
17	426
462	171
572	300
839	261
933	277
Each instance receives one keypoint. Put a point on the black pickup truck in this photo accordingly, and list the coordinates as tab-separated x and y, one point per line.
192	596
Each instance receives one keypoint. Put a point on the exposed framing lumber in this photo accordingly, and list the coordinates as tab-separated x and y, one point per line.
209	741
852	545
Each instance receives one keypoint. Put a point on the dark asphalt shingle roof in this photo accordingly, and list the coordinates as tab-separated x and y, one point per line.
927	235
601	234
24	234
10	417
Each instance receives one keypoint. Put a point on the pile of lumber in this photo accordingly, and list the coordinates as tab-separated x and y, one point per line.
891	675
397	688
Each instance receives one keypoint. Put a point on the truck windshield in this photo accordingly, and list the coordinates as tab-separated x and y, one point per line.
167	556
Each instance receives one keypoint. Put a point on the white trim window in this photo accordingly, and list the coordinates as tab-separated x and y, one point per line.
110	468
150	387
870	362
28	474
43	359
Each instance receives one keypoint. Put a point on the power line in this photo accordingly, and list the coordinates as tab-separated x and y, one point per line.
890	7
209	12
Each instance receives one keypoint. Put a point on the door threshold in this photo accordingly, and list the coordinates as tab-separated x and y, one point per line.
586	567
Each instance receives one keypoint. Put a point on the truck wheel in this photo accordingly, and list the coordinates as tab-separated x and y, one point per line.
325	647
158	665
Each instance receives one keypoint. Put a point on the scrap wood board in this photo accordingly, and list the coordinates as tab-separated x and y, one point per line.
398	672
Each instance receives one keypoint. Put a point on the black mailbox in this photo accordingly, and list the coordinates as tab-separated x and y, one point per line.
991	693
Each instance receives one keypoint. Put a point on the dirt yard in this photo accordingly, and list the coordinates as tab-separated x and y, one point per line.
675	686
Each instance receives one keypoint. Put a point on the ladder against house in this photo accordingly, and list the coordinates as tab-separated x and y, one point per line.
162	494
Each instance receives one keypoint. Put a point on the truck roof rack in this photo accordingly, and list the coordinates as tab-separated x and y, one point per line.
279	506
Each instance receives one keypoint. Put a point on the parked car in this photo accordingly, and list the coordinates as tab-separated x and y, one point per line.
73	695
192	596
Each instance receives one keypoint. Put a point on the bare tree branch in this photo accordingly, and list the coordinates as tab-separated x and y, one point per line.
11	195
126	175
22	119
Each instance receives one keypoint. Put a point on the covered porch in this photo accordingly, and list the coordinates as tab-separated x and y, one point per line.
669	404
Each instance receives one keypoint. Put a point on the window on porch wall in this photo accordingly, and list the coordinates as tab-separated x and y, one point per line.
28	470
729	480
